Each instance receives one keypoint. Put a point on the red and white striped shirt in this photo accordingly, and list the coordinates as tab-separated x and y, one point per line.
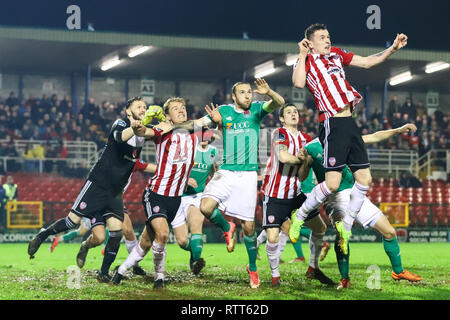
175	154
325	78
281	179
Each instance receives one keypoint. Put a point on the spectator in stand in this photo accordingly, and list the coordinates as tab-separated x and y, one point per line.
420	108
424	143
397	121
61	152
12	165
64	105
28	155
12	100
3	132
394	107
218	98
45	103
409	108
39	155
27	132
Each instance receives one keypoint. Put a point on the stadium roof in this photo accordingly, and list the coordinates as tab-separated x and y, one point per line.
37	50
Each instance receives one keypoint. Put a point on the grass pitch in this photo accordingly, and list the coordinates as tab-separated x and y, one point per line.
224	276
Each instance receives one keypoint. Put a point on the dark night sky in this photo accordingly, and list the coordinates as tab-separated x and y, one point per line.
425	22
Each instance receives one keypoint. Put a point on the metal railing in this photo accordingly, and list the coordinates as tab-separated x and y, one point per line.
79	153
439	159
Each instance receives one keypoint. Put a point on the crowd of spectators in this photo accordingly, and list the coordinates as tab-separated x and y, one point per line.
55	120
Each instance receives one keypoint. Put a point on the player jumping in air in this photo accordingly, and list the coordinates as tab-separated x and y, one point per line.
321	68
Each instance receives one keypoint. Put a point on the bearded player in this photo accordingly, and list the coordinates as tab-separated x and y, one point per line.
101	197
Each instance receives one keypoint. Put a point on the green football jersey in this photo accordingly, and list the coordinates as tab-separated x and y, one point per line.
315	150
309	183
241	136
203	162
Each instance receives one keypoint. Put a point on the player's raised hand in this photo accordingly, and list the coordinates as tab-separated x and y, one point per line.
400	41
409	127
261	87
138	128
213	113
165	127
303	46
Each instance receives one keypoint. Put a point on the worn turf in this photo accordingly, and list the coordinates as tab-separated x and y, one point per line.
224	277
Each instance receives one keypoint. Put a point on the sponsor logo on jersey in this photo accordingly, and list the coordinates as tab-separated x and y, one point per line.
228	118
332	161
280	138
271	219
121	123
238	125
83	205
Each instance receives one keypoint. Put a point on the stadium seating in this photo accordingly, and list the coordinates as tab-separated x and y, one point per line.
61	192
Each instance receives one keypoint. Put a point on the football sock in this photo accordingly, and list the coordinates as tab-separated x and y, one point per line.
393	251
61	225
130	244
196	246
186	246
111	249
136	255
315	247
357	197
314	199
252	251
305	232
219	220
298	249
272	250
261	238
71	235
282	240
342	259
159	259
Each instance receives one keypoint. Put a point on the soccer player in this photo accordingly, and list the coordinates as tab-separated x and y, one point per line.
320	68
189	215
370	215
98	234
103	189
234	186
175	154
285	169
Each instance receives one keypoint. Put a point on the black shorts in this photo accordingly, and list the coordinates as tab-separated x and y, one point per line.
157	206
342	145
98	204
106	215
276	211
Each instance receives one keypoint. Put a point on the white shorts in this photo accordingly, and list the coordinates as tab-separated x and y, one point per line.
235	192
182	213
369	213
